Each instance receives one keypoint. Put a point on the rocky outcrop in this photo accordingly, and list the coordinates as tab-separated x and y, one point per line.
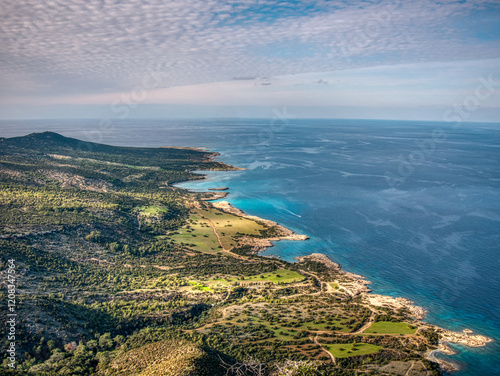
324	259
466	337
415	312
213	196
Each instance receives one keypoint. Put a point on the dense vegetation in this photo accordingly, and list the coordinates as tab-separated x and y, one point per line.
119	273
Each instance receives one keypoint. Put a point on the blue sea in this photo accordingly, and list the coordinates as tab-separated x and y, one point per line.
412	206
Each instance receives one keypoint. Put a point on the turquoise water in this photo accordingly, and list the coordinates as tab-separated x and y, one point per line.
416	214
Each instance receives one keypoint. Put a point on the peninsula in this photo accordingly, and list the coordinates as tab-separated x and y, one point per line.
118	272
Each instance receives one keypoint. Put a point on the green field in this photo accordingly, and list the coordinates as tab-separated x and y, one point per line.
152	211
199	234
282	275
388	327
345	350
228	226
199	286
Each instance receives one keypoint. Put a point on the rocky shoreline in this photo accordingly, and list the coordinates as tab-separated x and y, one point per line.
445	365
467	337
214	196
356	285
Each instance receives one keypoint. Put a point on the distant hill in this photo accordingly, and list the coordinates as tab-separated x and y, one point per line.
40	140
48	157
54	143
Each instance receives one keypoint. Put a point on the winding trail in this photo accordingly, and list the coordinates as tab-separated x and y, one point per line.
215	232
219	239
409	369
315	340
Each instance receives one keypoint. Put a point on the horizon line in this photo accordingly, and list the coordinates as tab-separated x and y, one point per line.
240	118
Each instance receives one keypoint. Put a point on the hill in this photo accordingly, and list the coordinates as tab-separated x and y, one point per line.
171	357
120	166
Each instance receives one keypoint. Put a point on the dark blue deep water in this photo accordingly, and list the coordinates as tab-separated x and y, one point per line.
413	206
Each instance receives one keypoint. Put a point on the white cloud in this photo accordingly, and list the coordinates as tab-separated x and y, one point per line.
82	48
428	85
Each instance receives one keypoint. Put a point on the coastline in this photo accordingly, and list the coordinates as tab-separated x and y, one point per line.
446	365
355	286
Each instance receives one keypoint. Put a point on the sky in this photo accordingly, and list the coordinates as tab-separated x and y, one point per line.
381	59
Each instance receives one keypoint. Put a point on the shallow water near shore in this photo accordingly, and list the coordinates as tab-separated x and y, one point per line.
417	216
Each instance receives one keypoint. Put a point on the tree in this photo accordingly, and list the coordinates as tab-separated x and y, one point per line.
105	341
94	236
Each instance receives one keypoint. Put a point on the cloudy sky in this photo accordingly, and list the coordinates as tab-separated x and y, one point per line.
389	59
